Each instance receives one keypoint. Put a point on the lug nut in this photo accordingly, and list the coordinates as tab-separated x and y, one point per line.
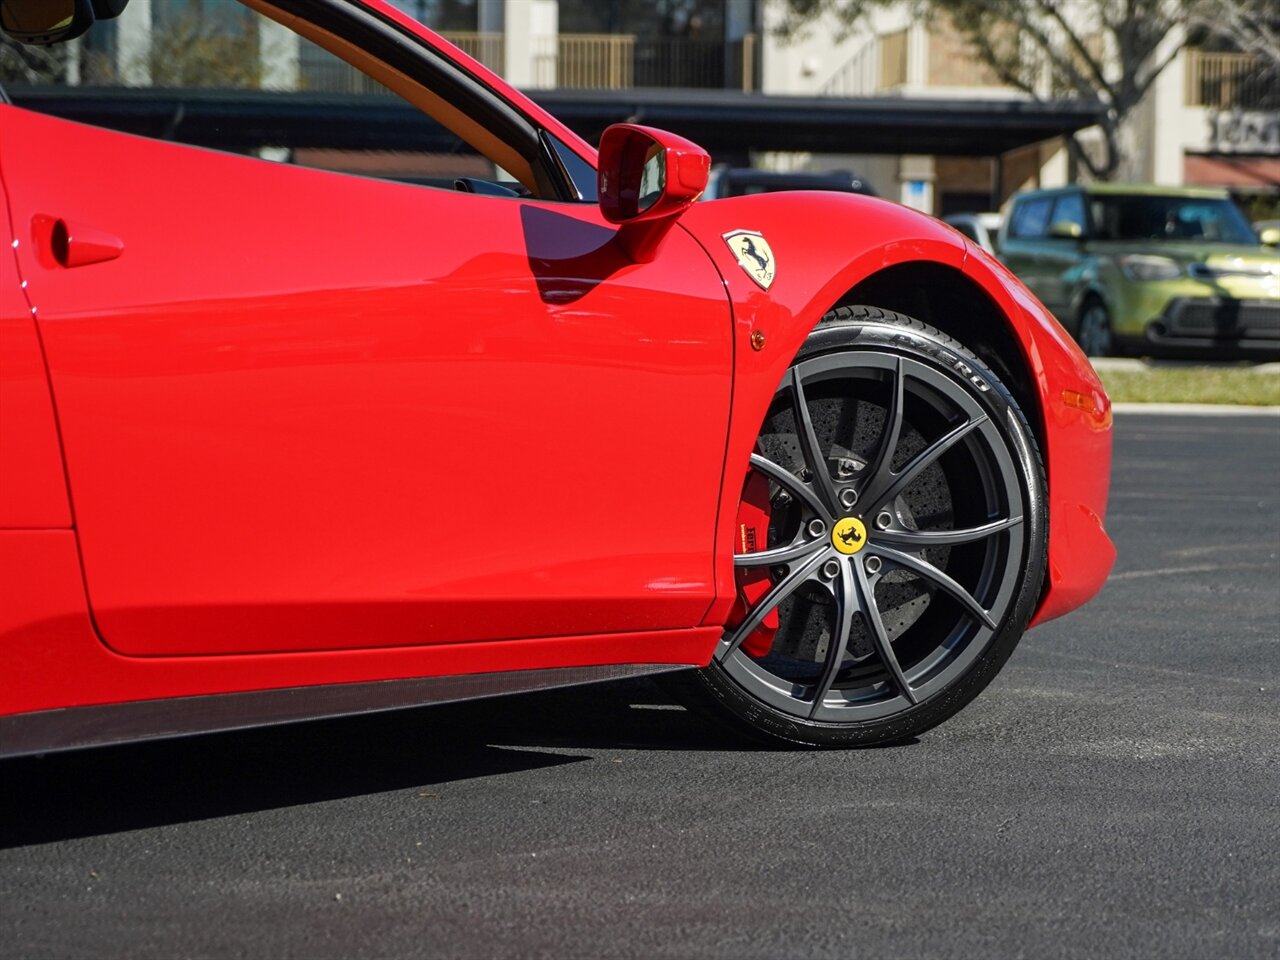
848	497
831	569
873	564
817	528
883	519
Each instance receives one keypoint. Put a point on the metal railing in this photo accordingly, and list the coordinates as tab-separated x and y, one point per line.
489	48
591	61
668	62
883	64
1226	80
574	60
621	61
859	76
879	64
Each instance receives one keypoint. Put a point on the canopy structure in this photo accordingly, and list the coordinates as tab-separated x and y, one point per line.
724	122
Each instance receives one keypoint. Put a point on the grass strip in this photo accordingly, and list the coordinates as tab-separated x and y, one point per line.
1193	384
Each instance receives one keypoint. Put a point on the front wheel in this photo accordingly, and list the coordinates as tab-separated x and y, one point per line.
890	544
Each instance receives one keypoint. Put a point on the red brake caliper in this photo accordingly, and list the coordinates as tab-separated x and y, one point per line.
754	582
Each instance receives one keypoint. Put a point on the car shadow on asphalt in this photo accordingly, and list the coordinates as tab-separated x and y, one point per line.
111	789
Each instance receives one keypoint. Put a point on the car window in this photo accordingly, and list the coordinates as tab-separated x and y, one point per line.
232	50
1171	218
968	230
1070	209
1031	218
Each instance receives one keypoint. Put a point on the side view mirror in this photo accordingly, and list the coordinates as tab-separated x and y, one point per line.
647	178
1065	230
1269	236
42	22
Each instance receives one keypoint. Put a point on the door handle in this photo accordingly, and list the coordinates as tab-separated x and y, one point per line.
73	244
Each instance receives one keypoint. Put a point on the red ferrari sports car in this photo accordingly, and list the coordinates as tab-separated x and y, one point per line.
280	443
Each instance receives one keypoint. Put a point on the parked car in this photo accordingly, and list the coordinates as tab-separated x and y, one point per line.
1147	269
729	181
982	228
281	442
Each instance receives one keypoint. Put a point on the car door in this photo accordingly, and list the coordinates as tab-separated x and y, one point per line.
1062	258
302	410
1024	248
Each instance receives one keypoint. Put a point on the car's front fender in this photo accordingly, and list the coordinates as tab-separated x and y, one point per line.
823	245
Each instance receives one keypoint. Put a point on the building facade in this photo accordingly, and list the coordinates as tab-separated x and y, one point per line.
1210	118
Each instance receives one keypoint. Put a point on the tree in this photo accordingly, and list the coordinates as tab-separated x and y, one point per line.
197	49
194	47
1249	26
20	63
1110	51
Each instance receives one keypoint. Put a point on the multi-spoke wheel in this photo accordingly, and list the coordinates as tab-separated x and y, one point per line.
890	540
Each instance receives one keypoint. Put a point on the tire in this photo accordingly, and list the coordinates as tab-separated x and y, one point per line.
1093	331
885	573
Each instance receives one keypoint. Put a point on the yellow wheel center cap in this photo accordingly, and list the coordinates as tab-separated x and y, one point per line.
849	535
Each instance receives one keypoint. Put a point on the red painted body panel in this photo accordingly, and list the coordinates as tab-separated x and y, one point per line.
390	415
1078	452
321	429
33	490
49	642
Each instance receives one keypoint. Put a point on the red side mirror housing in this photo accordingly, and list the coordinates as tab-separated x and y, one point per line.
647	178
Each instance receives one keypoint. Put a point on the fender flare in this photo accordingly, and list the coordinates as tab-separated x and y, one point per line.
811	277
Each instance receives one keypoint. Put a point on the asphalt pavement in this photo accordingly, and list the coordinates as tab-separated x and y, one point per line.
1114	793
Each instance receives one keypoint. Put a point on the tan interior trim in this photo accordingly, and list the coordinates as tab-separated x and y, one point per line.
446	114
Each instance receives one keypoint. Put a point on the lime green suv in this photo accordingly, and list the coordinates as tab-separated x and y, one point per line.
1143	269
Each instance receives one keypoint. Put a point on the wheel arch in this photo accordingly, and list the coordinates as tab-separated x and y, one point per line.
922	279
946	298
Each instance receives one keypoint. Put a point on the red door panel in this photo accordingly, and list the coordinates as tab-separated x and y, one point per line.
33	489
308	411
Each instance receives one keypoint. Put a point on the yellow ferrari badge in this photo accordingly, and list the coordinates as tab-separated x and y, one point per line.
849	535
754	255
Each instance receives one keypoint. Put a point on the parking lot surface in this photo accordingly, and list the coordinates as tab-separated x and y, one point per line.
1113	793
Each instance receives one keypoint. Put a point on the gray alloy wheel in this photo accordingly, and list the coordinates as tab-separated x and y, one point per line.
905	545
1094	330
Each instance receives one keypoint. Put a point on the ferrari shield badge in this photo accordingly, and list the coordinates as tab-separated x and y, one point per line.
754	255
